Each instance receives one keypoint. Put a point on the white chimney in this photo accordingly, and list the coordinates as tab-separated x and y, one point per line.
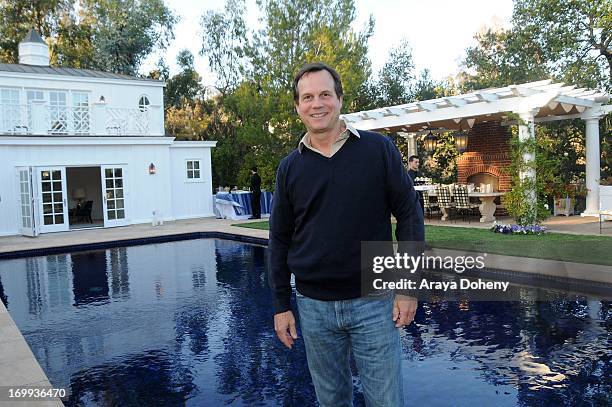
33	50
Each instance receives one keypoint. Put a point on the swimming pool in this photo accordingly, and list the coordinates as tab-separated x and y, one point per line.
189	322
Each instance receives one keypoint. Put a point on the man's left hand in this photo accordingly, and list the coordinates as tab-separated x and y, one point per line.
404	309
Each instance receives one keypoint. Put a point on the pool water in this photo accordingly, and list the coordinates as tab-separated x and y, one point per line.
190	323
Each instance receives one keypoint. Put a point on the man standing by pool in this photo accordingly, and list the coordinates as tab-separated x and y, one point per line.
337	189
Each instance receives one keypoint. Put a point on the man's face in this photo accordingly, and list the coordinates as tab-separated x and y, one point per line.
414	164
318	105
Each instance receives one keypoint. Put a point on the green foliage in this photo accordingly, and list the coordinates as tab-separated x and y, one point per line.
254	72
566	40
184	87
224	43
525	202
108	35
441	165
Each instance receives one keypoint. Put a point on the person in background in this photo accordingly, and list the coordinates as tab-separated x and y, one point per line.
255	193
413	172
413	167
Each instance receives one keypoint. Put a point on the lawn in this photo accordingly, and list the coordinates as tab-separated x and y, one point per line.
553	246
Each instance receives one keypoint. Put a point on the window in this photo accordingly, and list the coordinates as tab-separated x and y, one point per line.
193	170
10	111
143	103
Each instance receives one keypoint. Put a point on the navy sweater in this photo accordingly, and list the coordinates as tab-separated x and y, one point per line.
325	207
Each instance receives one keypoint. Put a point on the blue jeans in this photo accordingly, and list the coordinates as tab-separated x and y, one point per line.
332	328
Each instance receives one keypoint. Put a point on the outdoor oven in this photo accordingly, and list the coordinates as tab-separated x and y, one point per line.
487	157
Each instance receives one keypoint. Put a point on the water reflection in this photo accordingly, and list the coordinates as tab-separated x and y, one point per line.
190	323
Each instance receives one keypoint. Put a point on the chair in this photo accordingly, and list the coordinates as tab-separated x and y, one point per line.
462	202
83	212
429	206
444	199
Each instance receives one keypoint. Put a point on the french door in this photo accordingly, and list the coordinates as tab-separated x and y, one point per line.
28	225
113	196
53	211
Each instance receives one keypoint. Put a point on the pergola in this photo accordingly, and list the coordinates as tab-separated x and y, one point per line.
534	102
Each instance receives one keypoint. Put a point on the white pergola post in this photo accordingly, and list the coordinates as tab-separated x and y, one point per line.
592	165
526	129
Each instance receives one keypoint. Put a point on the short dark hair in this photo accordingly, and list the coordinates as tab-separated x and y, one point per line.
316	67
412	158
254	168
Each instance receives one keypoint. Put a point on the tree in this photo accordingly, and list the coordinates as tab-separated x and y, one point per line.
255	71
109	35
224	42
395	79
185	86
17	17
126	31
566	40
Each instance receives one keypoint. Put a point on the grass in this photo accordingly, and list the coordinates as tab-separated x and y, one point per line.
553	246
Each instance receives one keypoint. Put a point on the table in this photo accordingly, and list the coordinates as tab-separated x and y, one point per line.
237	205
487	205
425	187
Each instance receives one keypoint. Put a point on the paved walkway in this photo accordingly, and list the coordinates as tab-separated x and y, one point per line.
15	243
573	224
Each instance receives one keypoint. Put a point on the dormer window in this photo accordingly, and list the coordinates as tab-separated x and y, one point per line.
143	103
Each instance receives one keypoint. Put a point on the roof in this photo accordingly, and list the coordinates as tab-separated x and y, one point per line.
33	36
549	101
82	73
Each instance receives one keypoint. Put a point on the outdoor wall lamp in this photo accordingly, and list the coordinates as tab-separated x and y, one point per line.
152	169
430	142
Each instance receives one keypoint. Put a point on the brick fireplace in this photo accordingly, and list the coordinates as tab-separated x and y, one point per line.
487	157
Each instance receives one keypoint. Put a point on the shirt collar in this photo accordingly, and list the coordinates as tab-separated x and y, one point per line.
306	140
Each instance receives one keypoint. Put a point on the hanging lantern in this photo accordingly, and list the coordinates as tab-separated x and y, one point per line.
430	142
461	141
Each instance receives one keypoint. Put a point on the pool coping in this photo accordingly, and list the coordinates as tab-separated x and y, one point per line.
552	271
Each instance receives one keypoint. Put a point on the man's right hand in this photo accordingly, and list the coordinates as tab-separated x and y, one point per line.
284	325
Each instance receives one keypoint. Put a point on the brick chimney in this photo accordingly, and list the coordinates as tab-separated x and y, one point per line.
487	157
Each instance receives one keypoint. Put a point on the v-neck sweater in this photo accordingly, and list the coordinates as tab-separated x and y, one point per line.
324	207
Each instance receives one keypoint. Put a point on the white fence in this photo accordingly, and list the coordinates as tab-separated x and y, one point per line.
41	118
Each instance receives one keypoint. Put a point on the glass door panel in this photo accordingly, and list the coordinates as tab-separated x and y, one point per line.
28	222
52	193
114	195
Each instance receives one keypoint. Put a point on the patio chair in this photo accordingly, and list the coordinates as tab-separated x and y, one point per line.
462	202
429	205
444	199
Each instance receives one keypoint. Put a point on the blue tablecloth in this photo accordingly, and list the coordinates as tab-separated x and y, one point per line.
244	200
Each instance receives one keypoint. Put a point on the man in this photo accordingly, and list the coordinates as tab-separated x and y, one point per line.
413	167
255	193
413	172
337	189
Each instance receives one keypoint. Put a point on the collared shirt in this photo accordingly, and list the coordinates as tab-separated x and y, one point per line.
336	145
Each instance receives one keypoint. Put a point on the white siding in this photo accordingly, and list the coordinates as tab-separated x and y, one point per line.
191	198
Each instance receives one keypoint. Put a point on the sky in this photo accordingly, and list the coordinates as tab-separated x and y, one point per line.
438	31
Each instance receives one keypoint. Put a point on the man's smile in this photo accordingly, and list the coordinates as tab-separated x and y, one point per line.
318	115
